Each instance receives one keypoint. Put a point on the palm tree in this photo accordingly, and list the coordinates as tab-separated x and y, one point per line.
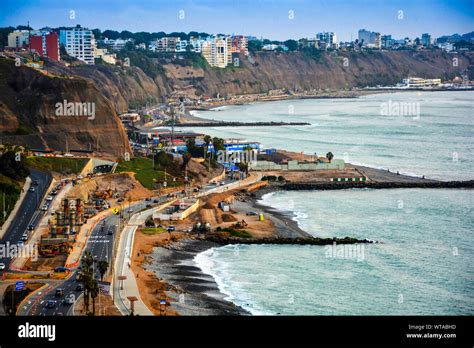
329	156
85	276
102	266
94	291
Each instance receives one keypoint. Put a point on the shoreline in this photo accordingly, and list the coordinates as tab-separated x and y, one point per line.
174	265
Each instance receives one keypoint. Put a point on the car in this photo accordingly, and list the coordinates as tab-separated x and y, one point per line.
59	292
35	182
170	228
251	213
79	287
54	193
24	238
61	269
58	187
49	198
222	183
31	227
120	200
44	207
79	177
32	189
148	199
110	232
50	304
69	300
20	243
148	206
156	201
2	266
130	210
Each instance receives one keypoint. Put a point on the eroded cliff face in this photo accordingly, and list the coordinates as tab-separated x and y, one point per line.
30	115
264	72
296	70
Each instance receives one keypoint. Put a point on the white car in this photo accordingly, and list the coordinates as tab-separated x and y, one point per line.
45	207
2	266
50	198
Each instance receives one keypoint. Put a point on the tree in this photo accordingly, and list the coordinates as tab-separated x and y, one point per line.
86	277
291	44
102	266
329	156
94	292
186	158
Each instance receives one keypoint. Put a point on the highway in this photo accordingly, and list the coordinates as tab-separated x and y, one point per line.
28	212
100	243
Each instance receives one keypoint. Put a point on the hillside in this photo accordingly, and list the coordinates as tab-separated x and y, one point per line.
153	76
28	112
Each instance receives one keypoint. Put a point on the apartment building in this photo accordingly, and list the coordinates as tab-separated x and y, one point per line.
239	44
370	39
79	43
46	44
217	51
327	39
19	38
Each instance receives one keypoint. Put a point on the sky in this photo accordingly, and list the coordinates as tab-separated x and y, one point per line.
273	19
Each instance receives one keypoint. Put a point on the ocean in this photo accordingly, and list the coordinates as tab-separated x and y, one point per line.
422	263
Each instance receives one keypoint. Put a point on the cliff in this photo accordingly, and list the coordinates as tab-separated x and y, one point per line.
28	112
153	76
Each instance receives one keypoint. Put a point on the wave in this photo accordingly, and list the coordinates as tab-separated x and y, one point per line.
204	261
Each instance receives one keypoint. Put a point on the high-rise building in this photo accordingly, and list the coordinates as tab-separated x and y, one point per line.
46	44
19	38
216	51
79	43
370	38
426	40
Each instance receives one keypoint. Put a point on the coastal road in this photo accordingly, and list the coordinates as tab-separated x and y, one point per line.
100	244
28	212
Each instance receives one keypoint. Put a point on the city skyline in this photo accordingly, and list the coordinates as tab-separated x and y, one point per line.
276	20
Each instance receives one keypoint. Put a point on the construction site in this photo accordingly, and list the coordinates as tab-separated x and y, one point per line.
63	227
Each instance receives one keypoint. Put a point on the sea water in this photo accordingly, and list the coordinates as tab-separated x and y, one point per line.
422	261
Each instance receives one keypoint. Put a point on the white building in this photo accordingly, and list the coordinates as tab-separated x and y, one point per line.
370	39
446	46
217	51
79	43
18	38
328	38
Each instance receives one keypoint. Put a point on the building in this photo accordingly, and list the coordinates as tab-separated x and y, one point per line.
308	43
166	44
327	39
370	39
78	43
115	45
46	44
418	82
239	44
216	51
19	38
426	40
446	46
107	57
386	41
